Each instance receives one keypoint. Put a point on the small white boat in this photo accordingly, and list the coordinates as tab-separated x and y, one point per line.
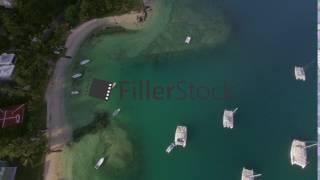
116	112
170	148
84	62
114	84
299	73
75	76
99	163
180	138
188	40
75	92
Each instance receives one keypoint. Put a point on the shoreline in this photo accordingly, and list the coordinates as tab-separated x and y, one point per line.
58	132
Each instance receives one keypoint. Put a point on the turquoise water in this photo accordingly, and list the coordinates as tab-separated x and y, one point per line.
247	49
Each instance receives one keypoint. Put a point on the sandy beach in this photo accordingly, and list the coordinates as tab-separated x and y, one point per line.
58	131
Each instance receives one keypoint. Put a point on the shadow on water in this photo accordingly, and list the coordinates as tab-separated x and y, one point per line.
101	121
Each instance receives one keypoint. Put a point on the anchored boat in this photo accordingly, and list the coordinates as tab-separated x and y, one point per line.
180	138
188	39
299	73
228	117
99	163
248	174
298	153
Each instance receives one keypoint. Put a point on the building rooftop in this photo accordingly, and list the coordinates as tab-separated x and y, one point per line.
7	59
6	71
7	3
6	172
11	116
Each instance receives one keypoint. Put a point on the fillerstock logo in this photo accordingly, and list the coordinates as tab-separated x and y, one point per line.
180	90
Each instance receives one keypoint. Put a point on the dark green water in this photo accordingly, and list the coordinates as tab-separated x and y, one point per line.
251	47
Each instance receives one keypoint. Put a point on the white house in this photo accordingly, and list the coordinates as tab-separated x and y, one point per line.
7	59
7	3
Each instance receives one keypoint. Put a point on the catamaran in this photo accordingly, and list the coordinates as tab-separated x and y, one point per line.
298	153
188	39
228	117
84	62
99	163
75	76
248	174
299	73
180	138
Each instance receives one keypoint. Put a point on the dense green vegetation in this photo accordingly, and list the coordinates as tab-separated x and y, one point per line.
33	30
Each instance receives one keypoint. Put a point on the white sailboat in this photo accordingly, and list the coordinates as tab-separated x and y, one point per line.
99	163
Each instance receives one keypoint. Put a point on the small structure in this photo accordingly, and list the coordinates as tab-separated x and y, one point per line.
101	89
7	172
180	138
299	73
228	117
12	115
7	65
84	62
188	40
99	163
6	71
248	174
76	76
298	153
7	59
7	3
